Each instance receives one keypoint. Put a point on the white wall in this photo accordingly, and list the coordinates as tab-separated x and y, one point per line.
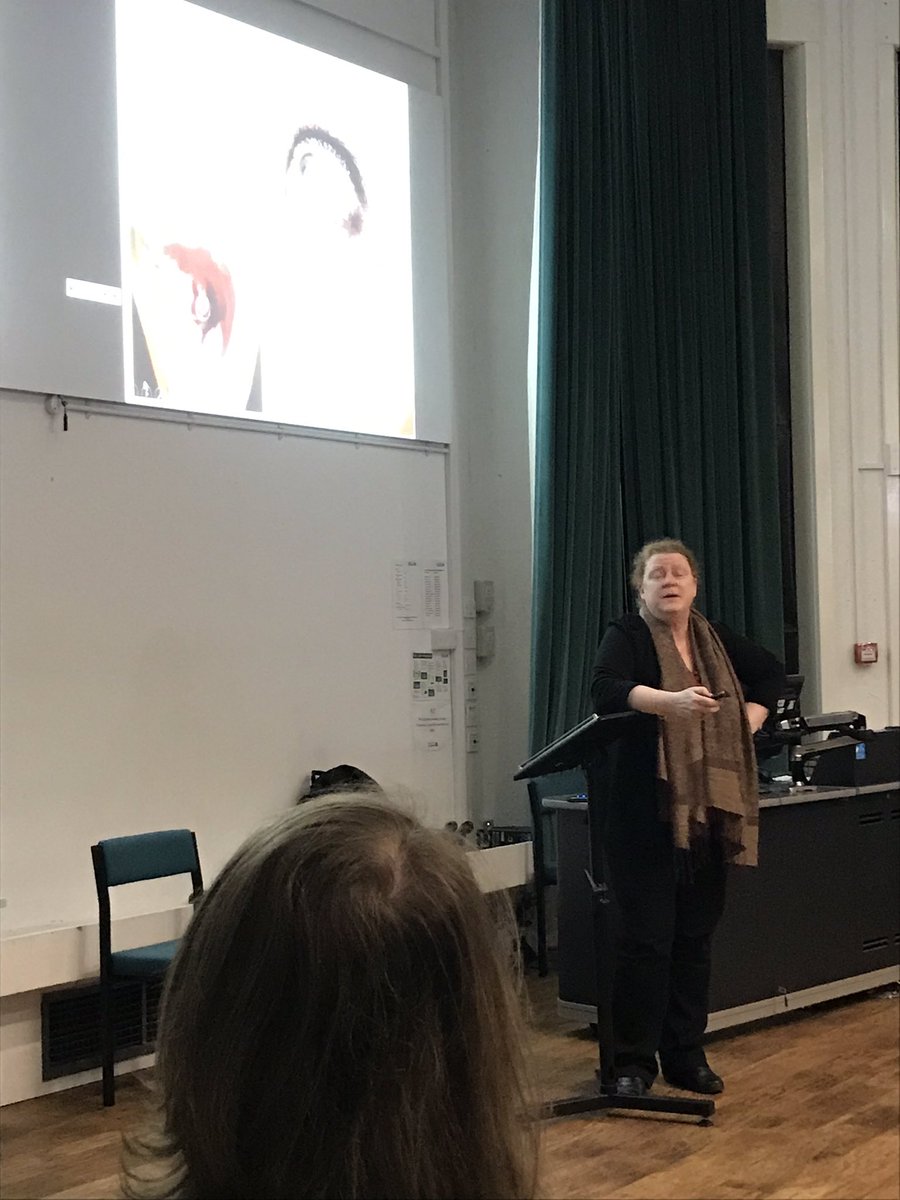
841	139
194	618
494	59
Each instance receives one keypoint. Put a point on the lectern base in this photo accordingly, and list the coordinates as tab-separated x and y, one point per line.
599	1101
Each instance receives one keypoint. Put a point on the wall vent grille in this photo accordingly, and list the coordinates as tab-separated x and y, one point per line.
879	943
871	818
70	1025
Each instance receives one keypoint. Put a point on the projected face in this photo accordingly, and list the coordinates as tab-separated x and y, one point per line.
268	228
323	182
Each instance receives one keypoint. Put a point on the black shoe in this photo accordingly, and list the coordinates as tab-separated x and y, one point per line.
631	1085
696	1079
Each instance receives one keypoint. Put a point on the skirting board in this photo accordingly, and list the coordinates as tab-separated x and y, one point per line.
51	957
772	1006
501	867
38	959
20	1054
34	961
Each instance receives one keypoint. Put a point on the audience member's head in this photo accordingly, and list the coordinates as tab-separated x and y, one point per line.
340	779
340	1021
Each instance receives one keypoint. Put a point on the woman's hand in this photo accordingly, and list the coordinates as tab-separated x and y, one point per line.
692	702
756	715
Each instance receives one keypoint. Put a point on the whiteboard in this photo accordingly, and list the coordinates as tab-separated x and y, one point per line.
193	618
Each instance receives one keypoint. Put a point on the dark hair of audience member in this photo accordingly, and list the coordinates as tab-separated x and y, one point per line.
341	1020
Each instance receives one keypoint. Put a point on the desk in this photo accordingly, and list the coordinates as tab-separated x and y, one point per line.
817	919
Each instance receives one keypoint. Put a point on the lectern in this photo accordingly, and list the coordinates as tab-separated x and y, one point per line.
585	746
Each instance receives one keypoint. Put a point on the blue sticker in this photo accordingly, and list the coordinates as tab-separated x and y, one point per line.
860	749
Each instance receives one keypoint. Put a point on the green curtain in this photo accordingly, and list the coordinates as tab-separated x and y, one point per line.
578	564
655	412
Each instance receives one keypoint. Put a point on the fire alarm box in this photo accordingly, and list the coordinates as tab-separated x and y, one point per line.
865	652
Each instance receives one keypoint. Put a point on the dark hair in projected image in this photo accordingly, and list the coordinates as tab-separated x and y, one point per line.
265	226
311	136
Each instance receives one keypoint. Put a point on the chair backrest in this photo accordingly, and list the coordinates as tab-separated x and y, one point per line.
147	856
136	858
133	859
562	783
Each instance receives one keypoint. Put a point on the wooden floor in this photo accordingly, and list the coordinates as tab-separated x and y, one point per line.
810	1112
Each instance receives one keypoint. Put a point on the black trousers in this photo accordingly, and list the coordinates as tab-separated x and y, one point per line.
661	989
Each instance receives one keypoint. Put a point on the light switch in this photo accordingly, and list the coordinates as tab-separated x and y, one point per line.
484	595
484	641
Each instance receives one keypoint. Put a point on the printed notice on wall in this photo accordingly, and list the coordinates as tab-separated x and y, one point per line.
419	597
406	593
430	678
434	591
431	700
431	727
430	739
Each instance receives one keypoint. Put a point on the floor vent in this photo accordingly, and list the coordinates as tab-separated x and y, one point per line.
70	1025
879	943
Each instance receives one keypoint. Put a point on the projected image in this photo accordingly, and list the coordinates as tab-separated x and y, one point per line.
265	214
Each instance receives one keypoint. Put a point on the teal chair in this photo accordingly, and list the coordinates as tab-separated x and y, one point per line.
132	860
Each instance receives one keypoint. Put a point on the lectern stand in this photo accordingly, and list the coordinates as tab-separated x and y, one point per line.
585	746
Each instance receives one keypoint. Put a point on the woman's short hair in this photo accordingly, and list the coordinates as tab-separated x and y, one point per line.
662	546
341	1020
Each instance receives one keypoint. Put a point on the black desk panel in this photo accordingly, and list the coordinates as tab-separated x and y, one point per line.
821	907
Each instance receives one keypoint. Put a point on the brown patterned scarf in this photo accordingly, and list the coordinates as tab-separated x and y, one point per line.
707	768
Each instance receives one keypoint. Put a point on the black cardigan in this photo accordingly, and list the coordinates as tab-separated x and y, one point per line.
626	658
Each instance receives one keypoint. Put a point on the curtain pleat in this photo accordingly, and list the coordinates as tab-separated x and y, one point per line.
655	409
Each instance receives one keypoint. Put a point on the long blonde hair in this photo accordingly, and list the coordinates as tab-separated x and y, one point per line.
340	1021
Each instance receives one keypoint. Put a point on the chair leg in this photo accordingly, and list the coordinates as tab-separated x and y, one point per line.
541	914
537	862
107	1047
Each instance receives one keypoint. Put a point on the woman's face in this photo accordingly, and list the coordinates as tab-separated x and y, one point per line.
669	586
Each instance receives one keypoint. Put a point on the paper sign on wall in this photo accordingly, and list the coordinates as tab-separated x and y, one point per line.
406	594
430	677
434	590
431	727
419	594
